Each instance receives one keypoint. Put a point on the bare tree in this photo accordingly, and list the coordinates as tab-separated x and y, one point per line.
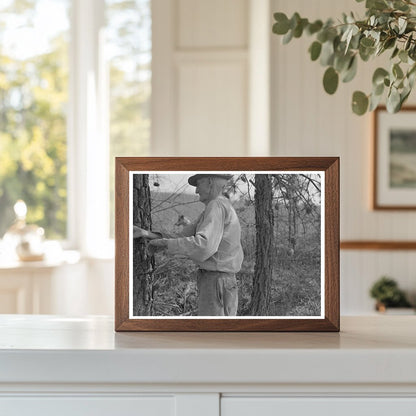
299	195
143	262
263	199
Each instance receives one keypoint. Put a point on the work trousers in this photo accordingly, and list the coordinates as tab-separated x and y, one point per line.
217	293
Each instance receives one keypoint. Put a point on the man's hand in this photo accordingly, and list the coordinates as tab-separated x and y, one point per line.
139	232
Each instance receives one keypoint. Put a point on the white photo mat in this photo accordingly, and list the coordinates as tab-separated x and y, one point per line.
322	257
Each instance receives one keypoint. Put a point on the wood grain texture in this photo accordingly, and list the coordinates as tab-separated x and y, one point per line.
328	164
121	244
378	245
332	225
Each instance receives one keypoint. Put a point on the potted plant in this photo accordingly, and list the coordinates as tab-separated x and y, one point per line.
387	294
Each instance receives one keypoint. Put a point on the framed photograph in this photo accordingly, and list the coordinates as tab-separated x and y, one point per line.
227	244
394	179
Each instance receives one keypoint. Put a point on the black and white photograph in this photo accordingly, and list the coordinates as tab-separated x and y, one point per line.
226	244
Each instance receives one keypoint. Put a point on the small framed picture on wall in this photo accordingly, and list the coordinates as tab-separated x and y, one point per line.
394	149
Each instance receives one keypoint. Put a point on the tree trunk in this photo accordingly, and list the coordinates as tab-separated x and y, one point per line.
260	299
143	263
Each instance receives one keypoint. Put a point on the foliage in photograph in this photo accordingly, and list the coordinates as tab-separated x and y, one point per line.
388	28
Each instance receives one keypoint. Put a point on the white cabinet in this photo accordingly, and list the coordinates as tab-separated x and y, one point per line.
26	290
88	406
67	285
39	287
79	366
271	406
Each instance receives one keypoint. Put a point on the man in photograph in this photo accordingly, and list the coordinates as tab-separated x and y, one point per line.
212	242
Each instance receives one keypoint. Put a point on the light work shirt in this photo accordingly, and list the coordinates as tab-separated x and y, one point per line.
213	241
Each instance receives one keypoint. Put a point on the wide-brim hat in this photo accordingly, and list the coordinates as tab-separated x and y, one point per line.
193	179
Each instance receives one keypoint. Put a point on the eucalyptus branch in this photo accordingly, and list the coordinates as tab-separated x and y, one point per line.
389	25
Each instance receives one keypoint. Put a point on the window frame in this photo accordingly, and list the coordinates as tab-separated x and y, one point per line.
88	133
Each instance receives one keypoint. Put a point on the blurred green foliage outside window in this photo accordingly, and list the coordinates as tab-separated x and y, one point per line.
129	46
34	91
33	99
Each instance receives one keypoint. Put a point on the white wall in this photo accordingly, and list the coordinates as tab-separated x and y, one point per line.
203	100
200	73
308	122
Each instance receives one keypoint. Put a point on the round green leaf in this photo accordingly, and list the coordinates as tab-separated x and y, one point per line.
367	42
288	37
403	56
408	42
315	50
393	101
294	20
378	89
389	43
281	26
376	4
342	61
374	102
411	76
403	96
314	27
397	71
412	52
359	103
330	80
322	36
327	54
379	75
400	5
351	71
298	30
366	53
395	52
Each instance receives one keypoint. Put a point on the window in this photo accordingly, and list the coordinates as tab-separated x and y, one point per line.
75	86
33	97
129	46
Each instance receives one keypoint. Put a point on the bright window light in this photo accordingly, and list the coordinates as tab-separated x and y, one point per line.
129	46
33	112
74	93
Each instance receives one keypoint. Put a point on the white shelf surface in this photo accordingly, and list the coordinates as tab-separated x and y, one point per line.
54	349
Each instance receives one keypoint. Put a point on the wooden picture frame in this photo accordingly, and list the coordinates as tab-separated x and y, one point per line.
394	158
325	168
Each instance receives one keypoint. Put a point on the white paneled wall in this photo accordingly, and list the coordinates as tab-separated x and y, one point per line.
201	110
212	24
224	85
212	103
359	270
308	122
